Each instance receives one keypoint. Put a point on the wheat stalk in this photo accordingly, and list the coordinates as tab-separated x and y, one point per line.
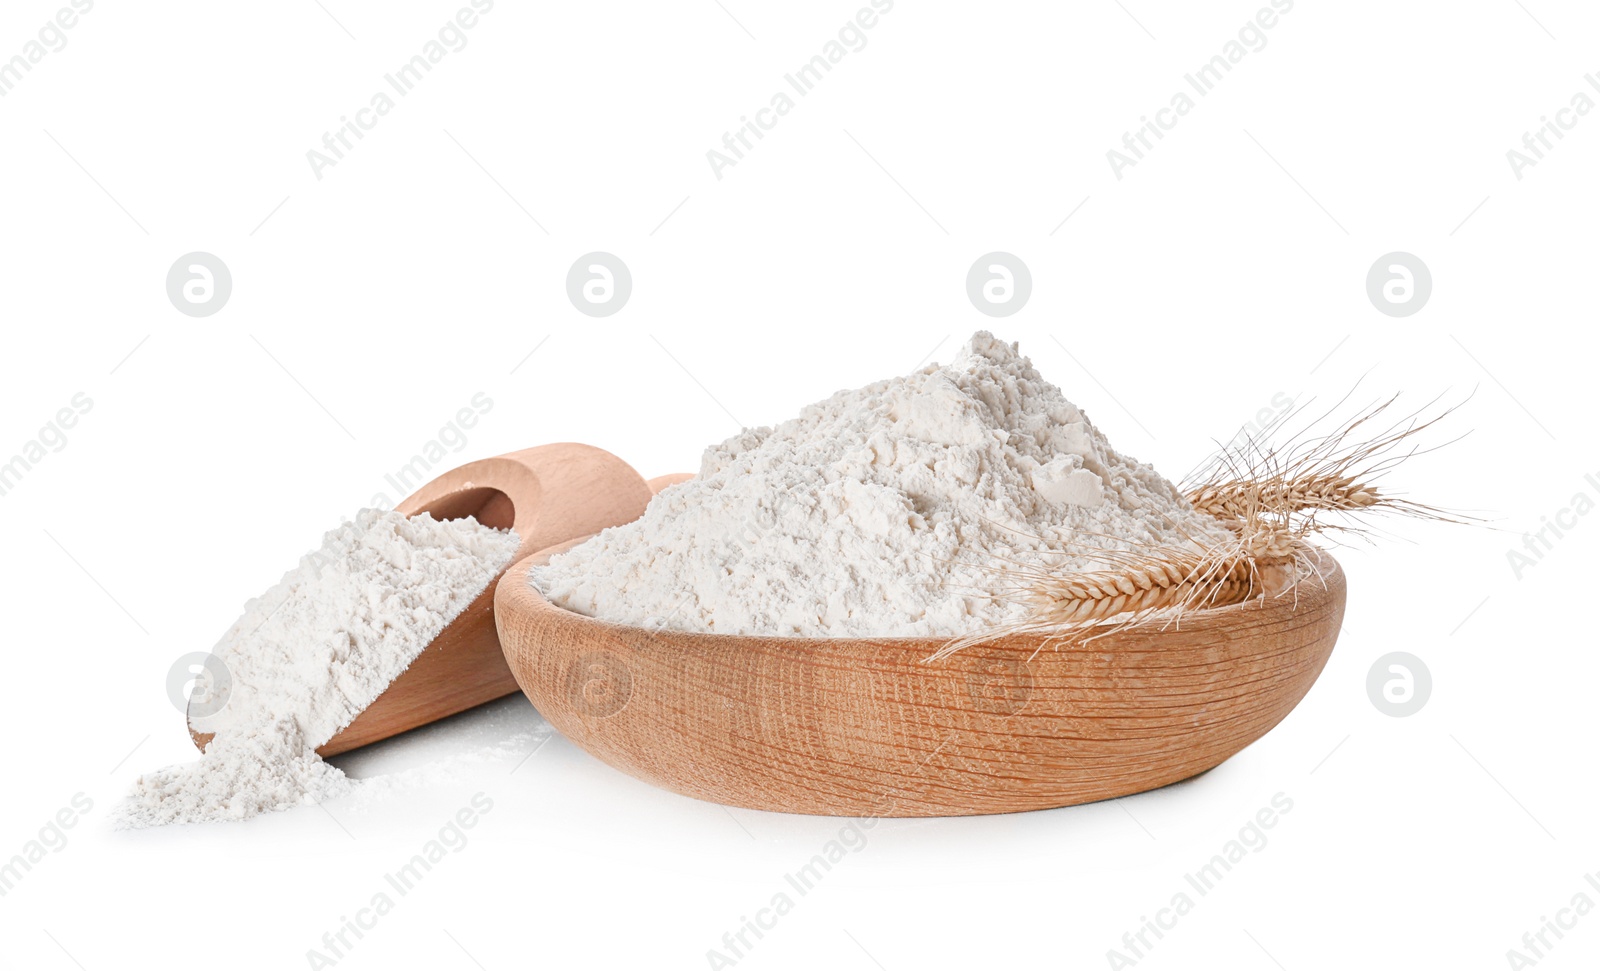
1269	496
1308	473
1263	540
1248	498
1140	585
1162	579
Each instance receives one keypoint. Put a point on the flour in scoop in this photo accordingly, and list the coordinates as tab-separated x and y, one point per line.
893	509
312	653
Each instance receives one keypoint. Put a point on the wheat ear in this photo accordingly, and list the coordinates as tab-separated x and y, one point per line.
1244	499
1306	473
1138	585
1156	581
1268	495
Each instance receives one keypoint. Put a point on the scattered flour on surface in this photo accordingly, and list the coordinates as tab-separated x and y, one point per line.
469	749
887	510
459	767
312	653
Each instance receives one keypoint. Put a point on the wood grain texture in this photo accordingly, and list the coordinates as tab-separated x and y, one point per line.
867	727
549	495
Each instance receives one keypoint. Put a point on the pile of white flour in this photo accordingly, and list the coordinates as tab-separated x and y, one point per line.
312	653
893	509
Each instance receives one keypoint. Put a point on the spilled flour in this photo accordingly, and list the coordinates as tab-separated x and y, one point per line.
888	510
313	652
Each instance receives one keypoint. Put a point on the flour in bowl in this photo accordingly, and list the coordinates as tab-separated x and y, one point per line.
893	509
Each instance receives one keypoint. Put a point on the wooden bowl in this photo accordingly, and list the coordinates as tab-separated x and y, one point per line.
868	727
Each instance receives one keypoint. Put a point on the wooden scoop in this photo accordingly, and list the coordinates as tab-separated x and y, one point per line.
671	479
550	495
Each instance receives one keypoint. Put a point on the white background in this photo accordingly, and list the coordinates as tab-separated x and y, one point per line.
1226	267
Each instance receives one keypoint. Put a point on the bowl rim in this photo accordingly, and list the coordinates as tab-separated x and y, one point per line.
517	593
